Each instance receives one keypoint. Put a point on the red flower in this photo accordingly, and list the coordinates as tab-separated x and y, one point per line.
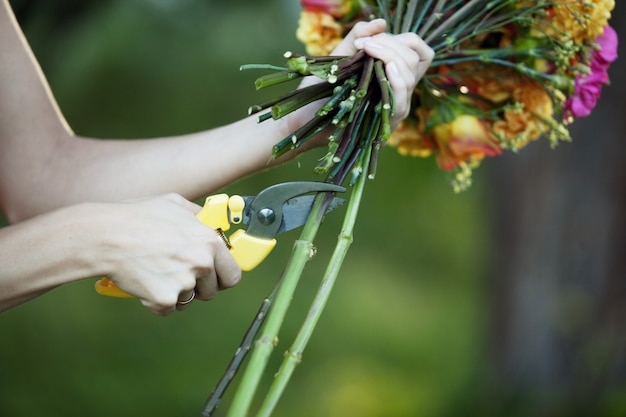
336	8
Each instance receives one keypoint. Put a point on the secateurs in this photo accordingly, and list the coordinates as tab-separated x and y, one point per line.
276	209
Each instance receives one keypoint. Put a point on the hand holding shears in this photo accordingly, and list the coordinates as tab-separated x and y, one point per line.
276	209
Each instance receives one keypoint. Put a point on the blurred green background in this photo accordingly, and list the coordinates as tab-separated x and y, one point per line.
416	322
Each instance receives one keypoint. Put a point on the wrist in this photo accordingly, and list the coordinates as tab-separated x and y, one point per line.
47	251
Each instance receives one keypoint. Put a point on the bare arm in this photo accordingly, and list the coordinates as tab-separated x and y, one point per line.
64	169
68	190
43	165
154	248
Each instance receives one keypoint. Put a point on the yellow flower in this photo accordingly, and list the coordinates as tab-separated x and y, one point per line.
409	138
319	32
579	20
595	16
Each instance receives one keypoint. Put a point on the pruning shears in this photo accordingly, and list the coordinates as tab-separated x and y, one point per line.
277	209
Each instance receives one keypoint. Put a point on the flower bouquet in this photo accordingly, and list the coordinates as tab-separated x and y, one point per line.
505	73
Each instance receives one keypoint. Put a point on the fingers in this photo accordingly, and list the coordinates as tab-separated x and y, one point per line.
220	273
207	285
223	273
425	53
406	57
228	271
185	299
360	30
179	258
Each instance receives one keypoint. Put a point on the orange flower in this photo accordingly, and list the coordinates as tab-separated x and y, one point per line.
525	122
319	32
465	139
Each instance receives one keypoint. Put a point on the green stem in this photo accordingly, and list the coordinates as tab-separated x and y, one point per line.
386	100
294	354
303	251
240	354
301	135
417	24
305	96
399	13
435	16
278	77
452	19
409	16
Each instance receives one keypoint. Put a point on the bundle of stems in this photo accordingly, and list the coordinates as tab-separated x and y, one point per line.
358	104
357	110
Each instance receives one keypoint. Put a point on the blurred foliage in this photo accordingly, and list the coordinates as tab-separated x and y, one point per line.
404	332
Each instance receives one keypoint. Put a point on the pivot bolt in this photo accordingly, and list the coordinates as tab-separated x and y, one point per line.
266	216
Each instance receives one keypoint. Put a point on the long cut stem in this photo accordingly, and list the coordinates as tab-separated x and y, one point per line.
302	252
240	354
294	354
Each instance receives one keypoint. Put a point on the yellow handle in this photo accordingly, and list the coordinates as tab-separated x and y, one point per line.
105	286
249	251
219	212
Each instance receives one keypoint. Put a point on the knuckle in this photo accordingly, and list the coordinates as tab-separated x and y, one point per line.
161	313
175	198
231	280
409	37
166	301
413	60
428	55
188	282
160	305
359	27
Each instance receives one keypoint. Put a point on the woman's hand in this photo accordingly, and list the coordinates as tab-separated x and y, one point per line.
406	57
157	250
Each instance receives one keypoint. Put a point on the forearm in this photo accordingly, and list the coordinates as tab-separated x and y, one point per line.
43	253
84	169
192	165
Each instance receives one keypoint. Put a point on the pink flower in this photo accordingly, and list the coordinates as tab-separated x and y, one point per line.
607	52
589	87
586	94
